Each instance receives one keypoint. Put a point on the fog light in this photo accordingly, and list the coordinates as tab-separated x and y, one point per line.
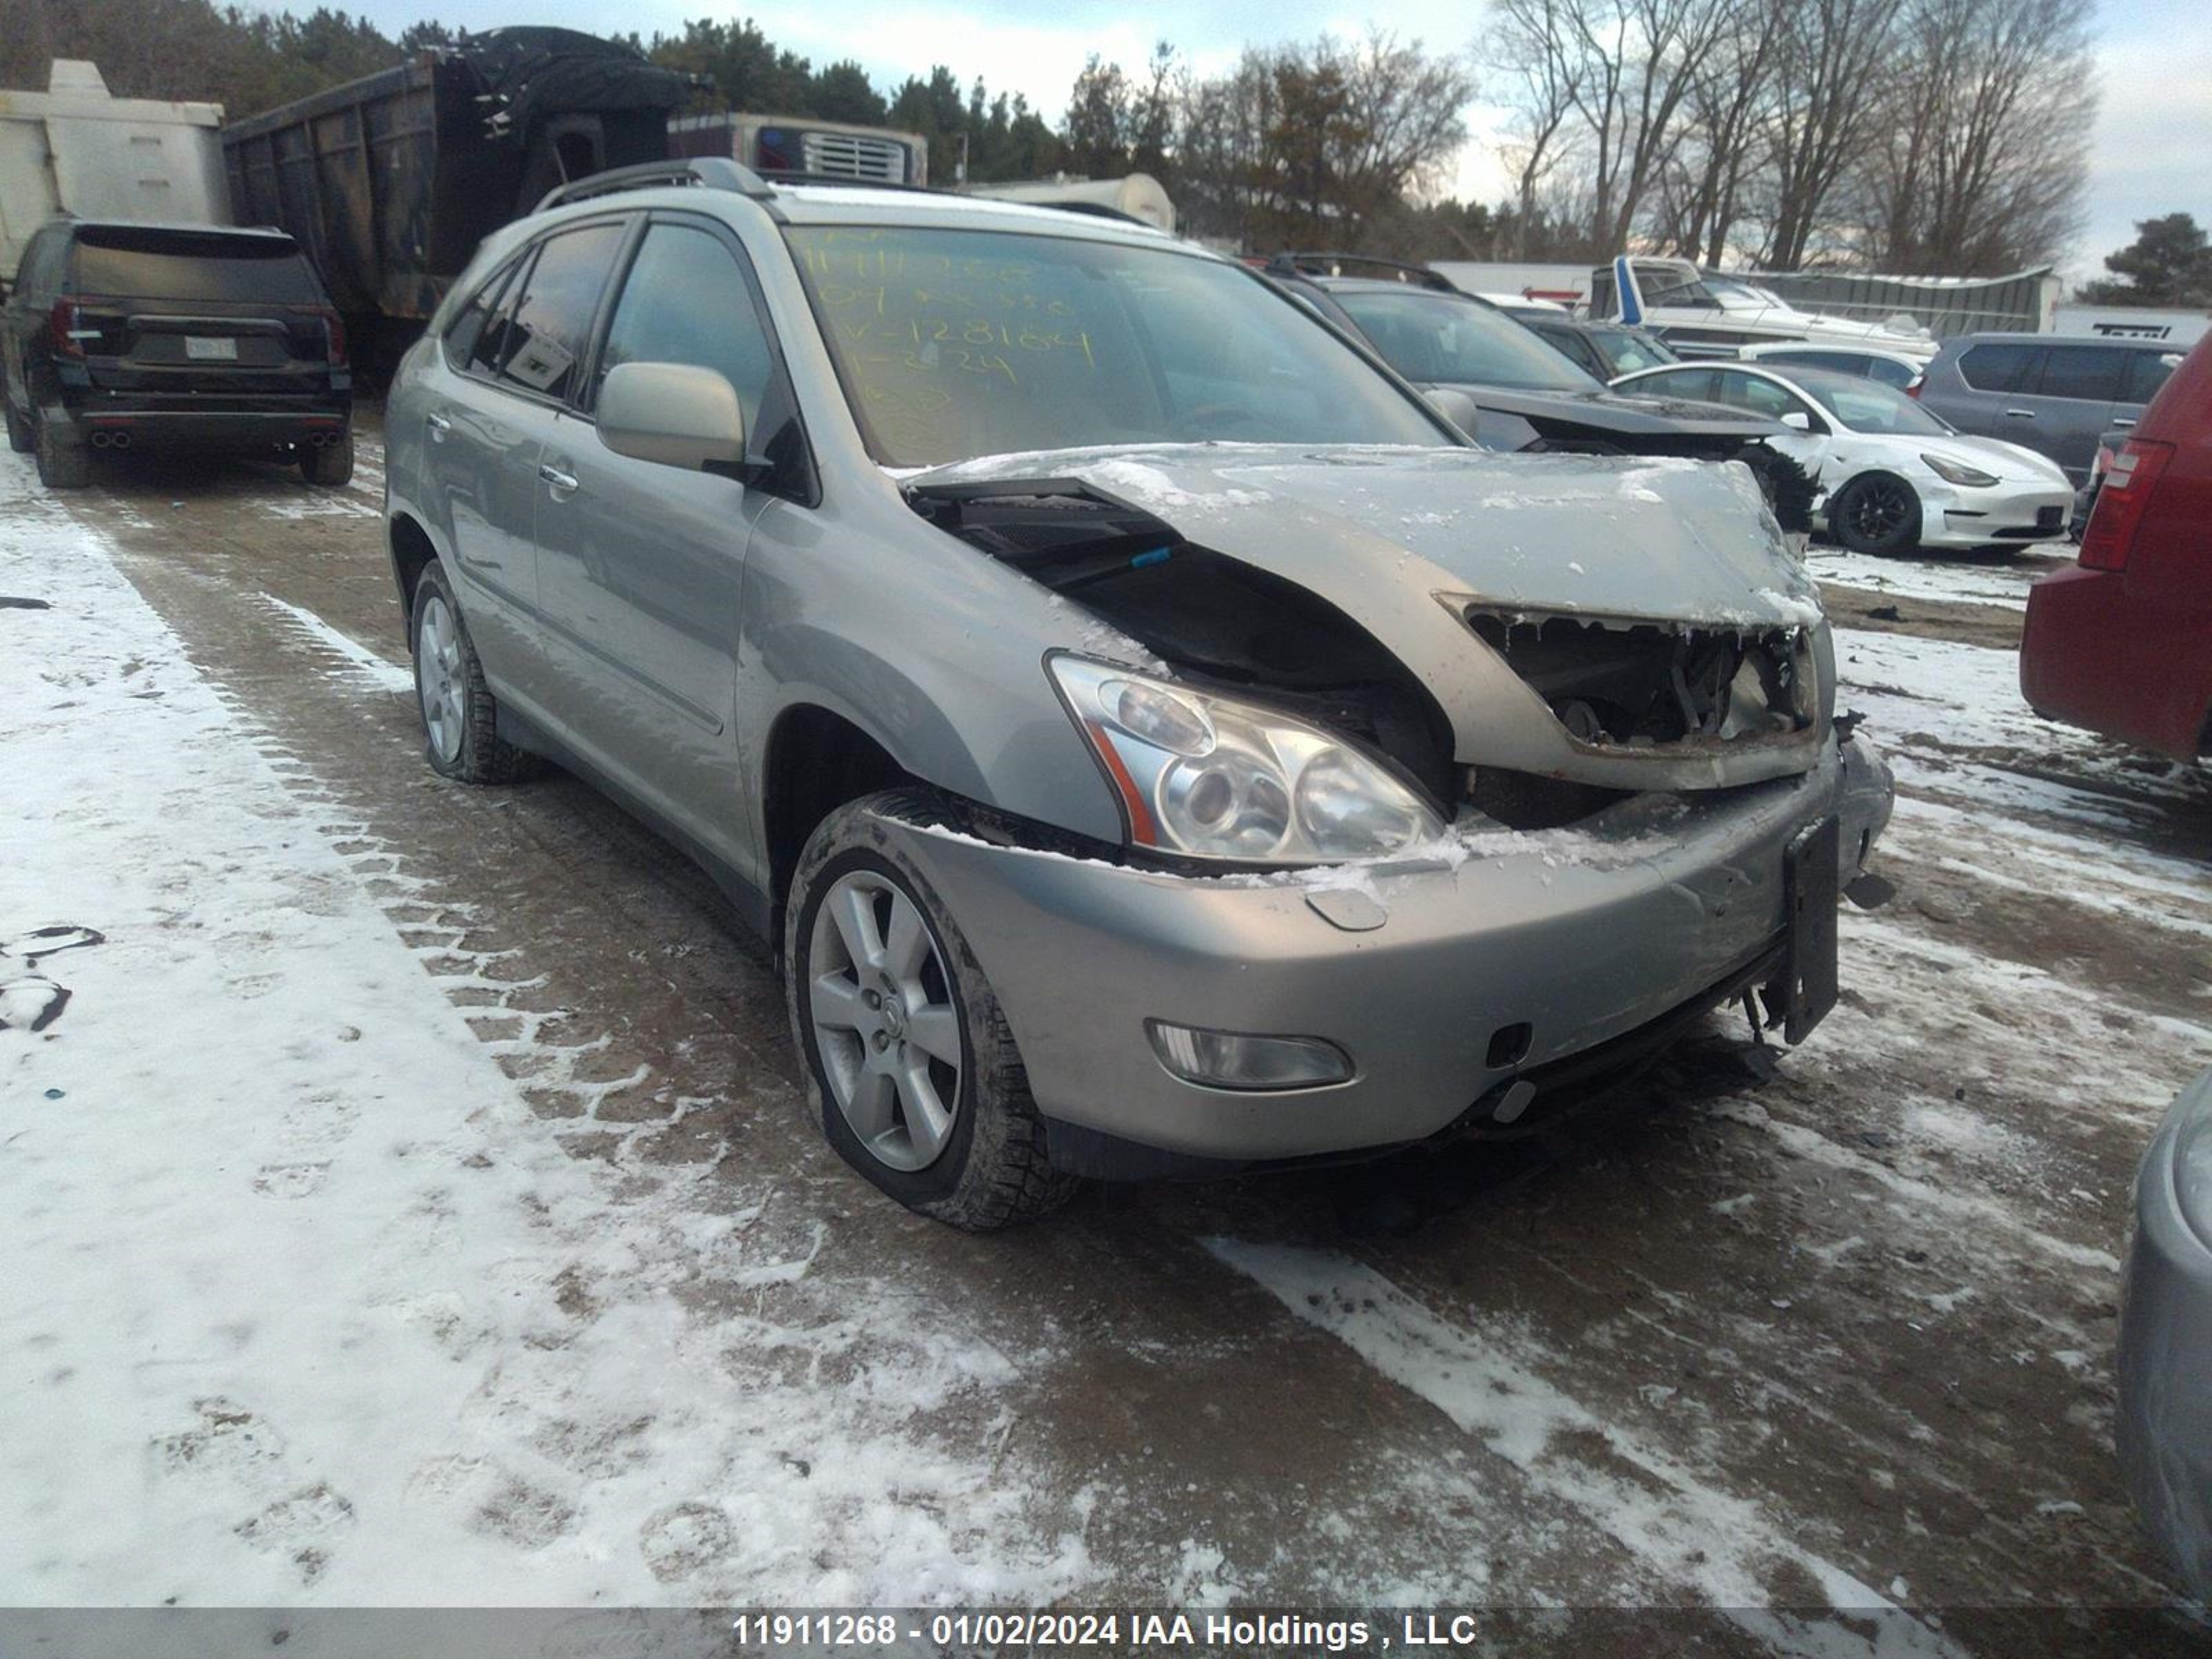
1233	1060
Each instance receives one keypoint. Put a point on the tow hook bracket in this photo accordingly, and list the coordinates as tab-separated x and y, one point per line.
1807	987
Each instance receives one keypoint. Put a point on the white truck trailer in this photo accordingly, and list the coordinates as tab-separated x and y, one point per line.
73	148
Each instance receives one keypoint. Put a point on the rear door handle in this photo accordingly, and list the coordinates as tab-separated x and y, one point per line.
439	425
2122	424
562	482
2022	414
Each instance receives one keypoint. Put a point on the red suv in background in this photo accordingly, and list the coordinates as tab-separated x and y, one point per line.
2122	643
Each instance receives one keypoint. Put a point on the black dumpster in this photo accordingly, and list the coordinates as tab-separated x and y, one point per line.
390	181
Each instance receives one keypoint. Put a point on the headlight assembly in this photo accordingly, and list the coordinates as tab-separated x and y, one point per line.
1954	472
1209	777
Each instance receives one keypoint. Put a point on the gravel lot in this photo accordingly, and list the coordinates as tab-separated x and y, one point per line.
426	1212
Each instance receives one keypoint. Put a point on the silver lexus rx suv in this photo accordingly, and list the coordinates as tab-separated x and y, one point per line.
1154	740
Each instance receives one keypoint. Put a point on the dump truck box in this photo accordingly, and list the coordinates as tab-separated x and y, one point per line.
390	181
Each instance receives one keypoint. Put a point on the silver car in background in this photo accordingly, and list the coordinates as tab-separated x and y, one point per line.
1155	742
2166	1341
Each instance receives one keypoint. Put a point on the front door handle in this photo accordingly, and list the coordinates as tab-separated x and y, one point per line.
563	482
2122	425
2022	414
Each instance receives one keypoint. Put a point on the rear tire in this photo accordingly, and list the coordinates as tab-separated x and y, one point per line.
329	466
20	436
61	465
981	1166
1877	513
461	720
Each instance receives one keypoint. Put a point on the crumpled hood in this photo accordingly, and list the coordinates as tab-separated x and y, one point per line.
1404	541
1652	537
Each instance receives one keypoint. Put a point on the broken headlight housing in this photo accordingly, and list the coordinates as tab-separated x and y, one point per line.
1209	777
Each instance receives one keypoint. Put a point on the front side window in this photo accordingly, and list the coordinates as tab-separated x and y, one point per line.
1748	391
1865	405
956	343
1695	384
686	301
1438	339
551	322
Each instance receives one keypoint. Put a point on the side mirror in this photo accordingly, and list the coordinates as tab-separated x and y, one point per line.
674	415
1457	407
1797	421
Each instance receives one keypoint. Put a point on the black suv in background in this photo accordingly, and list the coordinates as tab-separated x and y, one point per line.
122	336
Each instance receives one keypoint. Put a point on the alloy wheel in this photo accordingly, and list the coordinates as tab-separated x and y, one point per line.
439	680
885	1022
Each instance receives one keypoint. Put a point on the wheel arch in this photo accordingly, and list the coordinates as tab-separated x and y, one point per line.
816	759
412	551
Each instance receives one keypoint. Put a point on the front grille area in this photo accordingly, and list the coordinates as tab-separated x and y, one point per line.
1638	685
852	156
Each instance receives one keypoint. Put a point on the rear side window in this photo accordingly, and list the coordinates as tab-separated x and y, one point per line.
1889	373
2000	368
1695	384
2147	372
551	322
2092	373
199	269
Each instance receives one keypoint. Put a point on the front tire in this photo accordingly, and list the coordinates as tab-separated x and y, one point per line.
61	465
912	1073
460	720
329	465
1877	513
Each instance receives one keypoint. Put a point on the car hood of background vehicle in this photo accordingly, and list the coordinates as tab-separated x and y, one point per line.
1610	536
1625	413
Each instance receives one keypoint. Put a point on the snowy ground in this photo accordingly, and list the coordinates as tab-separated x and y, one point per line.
408	1203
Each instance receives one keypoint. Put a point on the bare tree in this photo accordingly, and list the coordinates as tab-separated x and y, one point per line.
1723	146
1982	166
1833	58
1539	77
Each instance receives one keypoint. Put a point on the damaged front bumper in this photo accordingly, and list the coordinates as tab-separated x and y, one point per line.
1446	979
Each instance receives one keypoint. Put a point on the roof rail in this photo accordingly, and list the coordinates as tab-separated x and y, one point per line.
1333	264
708	171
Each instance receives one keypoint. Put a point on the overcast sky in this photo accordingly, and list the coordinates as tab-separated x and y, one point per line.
2152	152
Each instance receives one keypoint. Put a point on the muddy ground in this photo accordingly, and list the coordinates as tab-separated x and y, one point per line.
1761	1331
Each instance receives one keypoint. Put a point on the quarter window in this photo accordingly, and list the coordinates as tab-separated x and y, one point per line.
467	329
551	323
2147	372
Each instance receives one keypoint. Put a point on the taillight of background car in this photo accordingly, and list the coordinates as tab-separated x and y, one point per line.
2126	492
64	321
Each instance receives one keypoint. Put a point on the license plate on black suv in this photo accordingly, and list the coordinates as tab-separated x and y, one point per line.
212	347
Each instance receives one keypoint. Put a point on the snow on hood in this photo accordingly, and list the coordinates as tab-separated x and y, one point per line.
1635	536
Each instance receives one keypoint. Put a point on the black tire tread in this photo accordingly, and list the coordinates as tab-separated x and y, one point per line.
61	466
1008	1177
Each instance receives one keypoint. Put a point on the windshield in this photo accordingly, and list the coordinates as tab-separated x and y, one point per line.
1438	339
956	343
1865	405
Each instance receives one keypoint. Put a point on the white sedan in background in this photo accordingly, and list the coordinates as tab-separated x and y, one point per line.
1898	475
